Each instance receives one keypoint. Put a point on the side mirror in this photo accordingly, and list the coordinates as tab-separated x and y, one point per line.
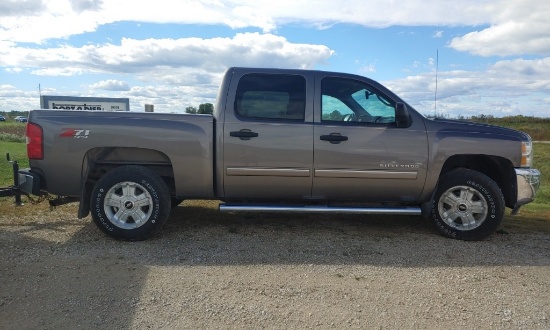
402	117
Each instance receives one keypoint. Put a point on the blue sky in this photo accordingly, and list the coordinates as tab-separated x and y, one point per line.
494	56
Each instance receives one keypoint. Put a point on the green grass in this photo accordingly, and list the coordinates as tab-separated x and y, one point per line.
7	137
542	163
537	128
17	151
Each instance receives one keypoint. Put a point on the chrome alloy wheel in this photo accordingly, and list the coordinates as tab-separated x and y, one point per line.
463	208
128	205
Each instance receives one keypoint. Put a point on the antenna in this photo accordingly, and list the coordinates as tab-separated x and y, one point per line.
436	70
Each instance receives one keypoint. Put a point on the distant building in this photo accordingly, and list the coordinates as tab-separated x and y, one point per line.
84	103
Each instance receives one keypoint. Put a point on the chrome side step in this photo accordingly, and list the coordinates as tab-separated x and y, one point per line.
319	209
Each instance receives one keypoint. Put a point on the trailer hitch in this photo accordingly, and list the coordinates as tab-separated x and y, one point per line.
14	190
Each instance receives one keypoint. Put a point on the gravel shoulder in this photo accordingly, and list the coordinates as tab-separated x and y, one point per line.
211	270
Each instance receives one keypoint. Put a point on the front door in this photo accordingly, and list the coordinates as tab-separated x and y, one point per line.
360	153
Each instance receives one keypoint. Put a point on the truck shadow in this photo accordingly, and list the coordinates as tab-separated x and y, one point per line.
60	275
204	236
67	274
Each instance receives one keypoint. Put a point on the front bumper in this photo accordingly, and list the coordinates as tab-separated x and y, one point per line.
528	183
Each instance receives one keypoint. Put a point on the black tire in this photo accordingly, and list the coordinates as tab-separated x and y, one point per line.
130	203
468	205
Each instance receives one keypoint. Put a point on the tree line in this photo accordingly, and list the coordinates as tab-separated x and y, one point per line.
205	108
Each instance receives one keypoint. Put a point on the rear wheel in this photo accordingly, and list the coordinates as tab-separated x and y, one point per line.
130	202
468	205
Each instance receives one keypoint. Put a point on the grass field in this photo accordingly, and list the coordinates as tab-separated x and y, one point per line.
537	128
17	151
12	128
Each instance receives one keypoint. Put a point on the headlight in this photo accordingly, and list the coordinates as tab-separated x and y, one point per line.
526	153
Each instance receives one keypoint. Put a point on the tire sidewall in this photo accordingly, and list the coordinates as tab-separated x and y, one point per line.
482	184
148	180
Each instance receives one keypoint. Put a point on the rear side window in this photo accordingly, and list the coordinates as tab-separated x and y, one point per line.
271	96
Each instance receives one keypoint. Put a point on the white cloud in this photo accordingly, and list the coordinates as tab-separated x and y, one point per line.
21	7
82	5
162	58
519	27
167	67
12	98
14	70
111	85
506	87
515	27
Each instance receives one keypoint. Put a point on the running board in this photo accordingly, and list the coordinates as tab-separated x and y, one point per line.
319	209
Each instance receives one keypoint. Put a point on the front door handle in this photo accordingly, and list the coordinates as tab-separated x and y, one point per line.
244	134
334	138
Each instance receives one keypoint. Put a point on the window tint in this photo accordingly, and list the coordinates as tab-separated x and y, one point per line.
271	96
349	100
334	109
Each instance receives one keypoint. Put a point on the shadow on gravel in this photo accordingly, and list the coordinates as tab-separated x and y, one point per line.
67	274
202	236
78	283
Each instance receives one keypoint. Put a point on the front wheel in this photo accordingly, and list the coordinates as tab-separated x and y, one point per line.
130	202
468	205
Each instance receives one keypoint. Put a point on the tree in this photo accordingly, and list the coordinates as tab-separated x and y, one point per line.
206	108
192	110
333	116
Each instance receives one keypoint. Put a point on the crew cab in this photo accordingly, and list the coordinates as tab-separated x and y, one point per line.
285	141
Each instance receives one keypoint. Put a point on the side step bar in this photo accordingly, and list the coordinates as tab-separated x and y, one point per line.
319	209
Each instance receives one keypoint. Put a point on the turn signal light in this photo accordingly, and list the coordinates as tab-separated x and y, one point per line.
526	154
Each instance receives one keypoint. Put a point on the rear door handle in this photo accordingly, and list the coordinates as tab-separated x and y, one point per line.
244	134
334	138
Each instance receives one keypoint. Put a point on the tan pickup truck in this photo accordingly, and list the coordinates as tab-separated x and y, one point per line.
284	141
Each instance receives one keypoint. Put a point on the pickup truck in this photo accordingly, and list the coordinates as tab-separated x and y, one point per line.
285	141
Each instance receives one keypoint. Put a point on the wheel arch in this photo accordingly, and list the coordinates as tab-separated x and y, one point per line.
98	161
499	169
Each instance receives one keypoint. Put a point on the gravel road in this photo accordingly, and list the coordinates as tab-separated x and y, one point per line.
219	271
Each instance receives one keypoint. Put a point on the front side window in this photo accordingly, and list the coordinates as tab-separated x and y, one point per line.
271	96
348	100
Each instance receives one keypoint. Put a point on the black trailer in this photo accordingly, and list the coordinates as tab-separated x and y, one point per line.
14	190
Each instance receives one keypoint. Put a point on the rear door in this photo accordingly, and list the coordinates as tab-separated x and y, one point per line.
360	153
267	137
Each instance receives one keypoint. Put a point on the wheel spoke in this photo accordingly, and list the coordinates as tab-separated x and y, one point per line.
142	200
113	200
478	208
121	215
450	199
469	221
128	190
466	195
139	216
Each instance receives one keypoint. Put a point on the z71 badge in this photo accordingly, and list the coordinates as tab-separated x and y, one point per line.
75	133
